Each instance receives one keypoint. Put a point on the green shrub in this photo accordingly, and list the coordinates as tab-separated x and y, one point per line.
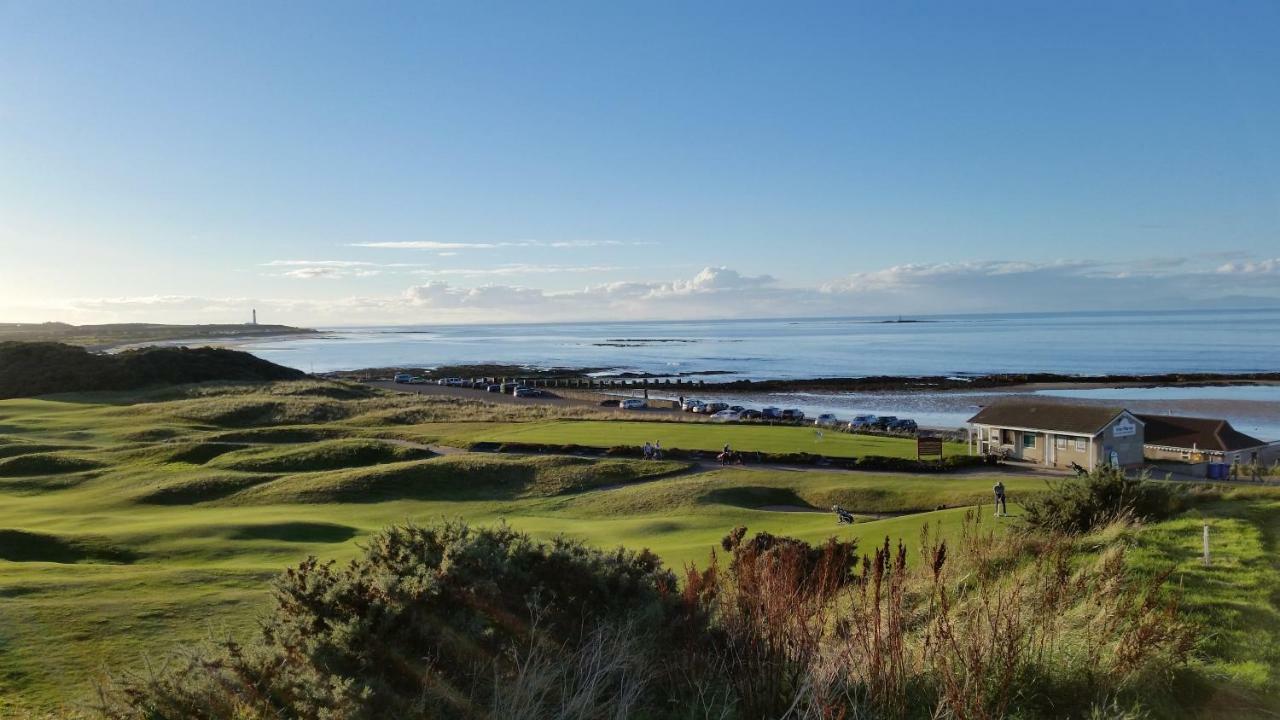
1080	504
411	628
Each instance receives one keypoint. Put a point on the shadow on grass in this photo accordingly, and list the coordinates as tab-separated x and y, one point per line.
25	546
297	532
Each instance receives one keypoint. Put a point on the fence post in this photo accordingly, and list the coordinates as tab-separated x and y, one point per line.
1206	543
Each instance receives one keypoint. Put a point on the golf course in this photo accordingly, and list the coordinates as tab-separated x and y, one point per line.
134	522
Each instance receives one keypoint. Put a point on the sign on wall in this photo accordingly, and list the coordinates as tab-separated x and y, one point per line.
1124	428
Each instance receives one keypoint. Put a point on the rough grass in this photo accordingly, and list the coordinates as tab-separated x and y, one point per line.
32	547
323	455
50	463
456	477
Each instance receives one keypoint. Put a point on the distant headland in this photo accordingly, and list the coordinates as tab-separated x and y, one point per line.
114	335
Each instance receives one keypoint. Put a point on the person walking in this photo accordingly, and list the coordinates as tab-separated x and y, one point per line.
1235	469
1002	509
657	449
648	450
1255	468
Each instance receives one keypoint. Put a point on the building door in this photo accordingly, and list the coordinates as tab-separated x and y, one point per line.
1050	456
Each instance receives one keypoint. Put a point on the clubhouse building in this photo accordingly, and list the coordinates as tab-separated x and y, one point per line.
1058	434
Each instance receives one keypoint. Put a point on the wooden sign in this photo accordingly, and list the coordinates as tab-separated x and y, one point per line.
928	446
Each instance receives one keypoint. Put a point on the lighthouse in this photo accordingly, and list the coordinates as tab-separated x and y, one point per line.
255	316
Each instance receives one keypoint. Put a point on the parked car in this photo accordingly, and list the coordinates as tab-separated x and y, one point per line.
415	380
771	413
826	420
750	414
523	391
726	416
714	407
884	421
633	404
736	408
691	405
402	377
493	388
862	422
903	425
792	414
508	387
480	384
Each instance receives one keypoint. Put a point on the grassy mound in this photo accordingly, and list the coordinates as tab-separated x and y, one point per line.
457	477
188	490
279	435
25	546
325	455
15	449
50	463
251	411
39	368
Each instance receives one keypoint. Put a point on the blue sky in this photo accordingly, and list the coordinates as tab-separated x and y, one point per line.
333	163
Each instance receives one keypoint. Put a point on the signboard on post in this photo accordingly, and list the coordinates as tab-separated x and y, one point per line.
929	446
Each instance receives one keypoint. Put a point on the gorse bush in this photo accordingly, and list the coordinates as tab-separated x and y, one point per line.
458	622
1080	504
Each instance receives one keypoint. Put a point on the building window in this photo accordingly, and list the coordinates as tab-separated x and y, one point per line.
1028	440
1080	445
1060	443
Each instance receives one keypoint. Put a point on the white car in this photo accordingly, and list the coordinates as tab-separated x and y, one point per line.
691	405
633	404
726	416
826	420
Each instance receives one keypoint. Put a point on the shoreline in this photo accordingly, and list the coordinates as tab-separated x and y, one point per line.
603	379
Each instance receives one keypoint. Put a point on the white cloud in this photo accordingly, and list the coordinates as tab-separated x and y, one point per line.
517	269
1269	266
718	292
455	246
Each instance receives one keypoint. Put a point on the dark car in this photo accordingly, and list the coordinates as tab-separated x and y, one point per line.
885	421
751	415
771	413
736	408
904	425
792	414
713	408
493	388
508	387
480	384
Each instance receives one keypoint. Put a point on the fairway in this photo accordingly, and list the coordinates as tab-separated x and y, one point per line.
710	437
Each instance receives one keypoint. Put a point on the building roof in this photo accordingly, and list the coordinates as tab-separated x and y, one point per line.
1061	417
1199	433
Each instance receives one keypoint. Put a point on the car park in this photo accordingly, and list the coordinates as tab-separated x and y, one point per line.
402	377
826	420
792	414
771	413
633	404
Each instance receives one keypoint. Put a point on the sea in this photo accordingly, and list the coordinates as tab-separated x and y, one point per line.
1076	343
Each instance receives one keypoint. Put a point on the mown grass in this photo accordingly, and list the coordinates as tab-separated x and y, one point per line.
710	437
173	533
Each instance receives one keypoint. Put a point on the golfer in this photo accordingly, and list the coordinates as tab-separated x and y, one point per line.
1001	508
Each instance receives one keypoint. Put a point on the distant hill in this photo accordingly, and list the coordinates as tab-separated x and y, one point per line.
112	335
41	368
